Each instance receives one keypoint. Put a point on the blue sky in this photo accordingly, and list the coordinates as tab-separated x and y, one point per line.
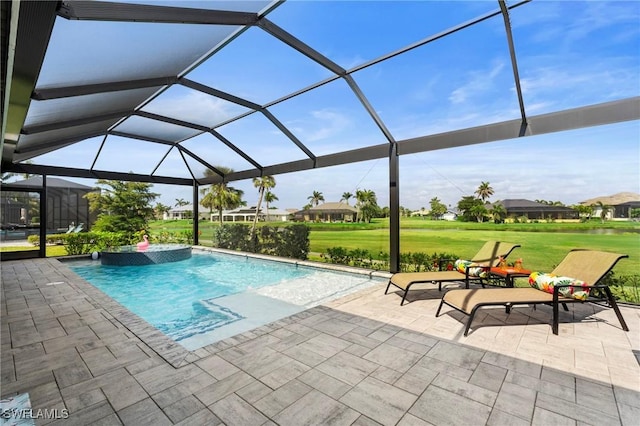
569	54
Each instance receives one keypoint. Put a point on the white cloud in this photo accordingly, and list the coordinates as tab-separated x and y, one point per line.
194	106
479	82
563	85
572	22
328	123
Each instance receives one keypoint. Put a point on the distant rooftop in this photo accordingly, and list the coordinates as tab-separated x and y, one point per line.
52	182
613	200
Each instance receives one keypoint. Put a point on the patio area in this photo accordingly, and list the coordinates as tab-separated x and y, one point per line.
361	360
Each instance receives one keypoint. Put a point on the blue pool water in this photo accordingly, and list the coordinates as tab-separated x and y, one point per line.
187	298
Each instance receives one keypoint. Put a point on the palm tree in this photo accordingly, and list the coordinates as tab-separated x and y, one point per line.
220	196
604	210
438	208
498	211
161	209
181	202
484	191
315	198
584	211
269	197
263	184
346	196
366	201
479	210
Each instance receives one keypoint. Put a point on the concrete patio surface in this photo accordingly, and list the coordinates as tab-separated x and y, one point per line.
359	360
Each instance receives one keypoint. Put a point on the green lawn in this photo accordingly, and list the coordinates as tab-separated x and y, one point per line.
539	250
543	244
52	251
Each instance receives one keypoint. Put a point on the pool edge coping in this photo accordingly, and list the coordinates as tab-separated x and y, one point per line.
371	273
171	351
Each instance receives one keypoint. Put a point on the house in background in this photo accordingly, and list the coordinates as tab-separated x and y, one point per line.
535	211
328	212
241	214
450	215
621	205
420	213
184	212
277	215
248	214
67	206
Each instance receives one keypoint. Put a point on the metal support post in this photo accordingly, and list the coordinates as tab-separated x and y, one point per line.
196	215
394	210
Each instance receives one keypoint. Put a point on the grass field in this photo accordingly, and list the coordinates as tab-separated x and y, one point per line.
543	244
539	250
52	251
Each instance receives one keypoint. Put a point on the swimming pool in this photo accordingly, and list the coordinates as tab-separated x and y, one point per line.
211	296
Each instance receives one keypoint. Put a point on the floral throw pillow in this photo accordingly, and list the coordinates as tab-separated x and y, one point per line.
547	282
475	270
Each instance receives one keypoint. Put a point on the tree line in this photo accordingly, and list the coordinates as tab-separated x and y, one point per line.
128	206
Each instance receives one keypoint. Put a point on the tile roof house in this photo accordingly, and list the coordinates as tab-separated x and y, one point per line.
622	203
534	210
328	212
184	212
247	214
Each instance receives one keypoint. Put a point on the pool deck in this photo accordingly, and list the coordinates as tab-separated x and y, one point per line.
359	360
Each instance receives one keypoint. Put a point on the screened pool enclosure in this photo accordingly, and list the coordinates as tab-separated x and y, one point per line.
164	91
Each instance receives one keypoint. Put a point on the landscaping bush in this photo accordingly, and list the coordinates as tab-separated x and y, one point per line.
80	243
180	237
87	242
337	255
291	241
294	242
361	258
106	240
409	262
625	288
269	240
233	237
50	239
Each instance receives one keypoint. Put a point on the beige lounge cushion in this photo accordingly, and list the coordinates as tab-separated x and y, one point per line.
466	300
405	279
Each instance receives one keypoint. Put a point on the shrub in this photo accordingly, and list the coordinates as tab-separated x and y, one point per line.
409	262
291	241
80	243
294	242
50	239
269	240
233	237
338	255
361	258
625	288
406	262
384	261
106	240
87	242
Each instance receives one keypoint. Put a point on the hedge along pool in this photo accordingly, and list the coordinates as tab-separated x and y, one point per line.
211	296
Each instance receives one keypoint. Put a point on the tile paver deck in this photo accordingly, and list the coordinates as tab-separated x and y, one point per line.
360	360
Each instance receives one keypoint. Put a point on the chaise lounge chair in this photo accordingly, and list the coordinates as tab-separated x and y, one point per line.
488	256
75	229
580	271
